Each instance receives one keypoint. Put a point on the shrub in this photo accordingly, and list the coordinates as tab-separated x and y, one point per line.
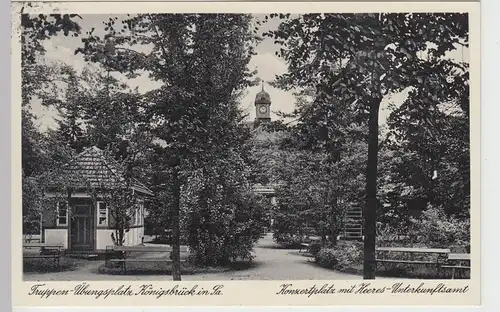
221	223
345	256
326	258
434	229
40	265
315	248
288	241
438	230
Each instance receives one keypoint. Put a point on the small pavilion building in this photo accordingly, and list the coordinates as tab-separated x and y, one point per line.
79	212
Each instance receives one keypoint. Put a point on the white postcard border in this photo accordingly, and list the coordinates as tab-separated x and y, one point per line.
263	290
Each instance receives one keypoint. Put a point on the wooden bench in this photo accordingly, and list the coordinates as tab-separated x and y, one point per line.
32	239
125	251
457	262
50	252
309	242
441	256
304	246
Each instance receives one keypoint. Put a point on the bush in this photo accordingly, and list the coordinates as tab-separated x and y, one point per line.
221	223
438	230
326	258
315	248
345	256
288	241
433	230
41	265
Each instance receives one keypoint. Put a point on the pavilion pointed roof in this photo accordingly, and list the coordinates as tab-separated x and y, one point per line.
91	168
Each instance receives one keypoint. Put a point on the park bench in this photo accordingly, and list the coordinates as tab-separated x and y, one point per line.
457	262
309	241
49	252
384	254
31	239
124	253
309	244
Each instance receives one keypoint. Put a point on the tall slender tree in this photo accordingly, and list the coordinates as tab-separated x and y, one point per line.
35	75
361	58
201	62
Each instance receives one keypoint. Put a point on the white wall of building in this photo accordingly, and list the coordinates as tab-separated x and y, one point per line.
103	238
134	236
57	236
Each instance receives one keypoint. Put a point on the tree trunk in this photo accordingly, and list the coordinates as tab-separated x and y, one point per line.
120	237
334	203
207	230
370	211
176	239
69	213
334	230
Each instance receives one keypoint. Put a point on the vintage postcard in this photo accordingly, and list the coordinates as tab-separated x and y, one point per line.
181	154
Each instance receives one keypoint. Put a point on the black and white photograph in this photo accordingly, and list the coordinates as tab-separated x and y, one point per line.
238	146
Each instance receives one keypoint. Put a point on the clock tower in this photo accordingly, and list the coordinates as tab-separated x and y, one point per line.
262	107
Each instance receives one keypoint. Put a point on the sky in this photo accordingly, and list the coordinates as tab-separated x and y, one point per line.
61	49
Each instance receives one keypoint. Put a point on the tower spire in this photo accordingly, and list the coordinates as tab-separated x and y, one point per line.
262	85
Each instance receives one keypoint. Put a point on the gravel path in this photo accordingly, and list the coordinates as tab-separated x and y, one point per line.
270	263
273	263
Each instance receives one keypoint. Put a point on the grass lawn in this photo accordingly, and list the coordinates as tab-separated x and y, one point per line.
165	268
41	265
162	267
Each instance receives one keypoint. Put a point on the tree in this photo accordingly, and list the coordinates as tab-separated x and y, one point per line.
121	200
70	124
201	61
221	216
360	58
35	76
32	206
263	154
429	158
315	192
100	111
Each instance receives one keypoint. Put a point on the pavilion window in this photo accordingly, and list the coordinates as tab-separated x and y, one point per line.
62	213
141	213
138	214
102	214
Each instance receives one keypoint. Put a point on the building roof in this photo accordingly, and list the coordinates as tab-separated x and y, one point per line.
91	168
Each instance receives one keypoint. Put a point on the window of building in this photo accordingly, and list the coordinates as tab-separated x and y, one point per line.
138	213
62	213
102	214
141	213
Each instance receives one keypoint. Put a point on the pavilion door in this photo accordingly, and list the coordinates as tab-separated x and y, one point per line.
82	227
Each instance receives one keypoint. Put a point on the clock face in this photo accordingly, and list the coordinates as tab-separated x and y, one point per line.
262	109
